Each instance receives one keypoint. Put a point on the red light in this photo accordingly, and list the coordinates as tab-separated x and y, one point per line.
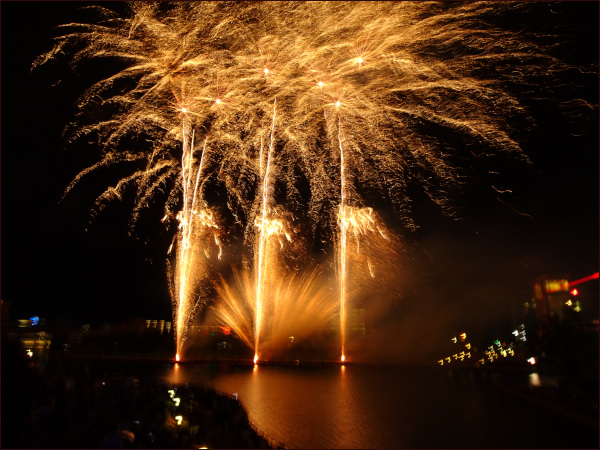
574	292
583	280
226	330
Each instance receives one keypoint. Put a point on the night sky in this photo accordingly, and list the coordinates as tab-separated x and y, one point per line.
464	273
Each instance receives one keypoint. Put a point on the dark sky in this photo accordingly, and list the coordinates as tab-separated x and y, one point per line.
465	272
51	266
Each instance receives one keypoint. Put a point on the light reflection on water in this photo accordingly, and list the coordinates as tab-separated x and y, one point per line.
374	407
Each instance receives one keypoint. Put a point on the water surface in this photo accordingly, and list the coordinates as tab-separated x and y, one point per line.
383	407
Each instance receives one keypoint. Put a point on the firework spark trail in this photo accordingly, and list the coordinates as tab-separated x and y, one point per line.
187	222
342	251
184	251
196	228
420	84
262	258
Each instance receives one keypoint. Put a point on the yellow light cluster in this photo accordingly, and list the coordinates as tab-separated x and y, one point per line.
462	355
492	354
458	355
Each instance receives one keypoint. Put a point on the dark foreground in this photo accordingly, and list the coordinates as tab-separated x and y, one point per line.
113	409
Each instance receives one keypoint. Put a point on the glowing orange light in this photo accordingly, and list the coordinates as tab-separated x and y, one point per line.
343	358
255	358
218	101
337	104
266	71
574	292
177	357
320	83
183	110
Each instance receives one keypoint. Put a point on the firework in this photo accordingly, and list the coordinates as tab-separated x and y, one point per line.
311	108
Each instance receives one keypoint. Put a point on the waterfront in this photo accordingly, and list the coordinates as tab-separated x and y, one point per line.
389	407
308	405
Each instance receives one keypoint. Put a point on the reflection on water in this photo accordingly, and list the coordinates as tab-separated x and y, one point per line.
375	407
175	377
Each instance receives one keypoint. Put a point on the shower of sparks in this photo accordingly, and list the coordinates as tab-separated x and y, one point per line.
198	242
299	305
352	98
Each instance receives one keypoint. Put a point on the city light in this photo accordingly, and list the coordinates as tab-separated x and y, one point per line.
534	379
